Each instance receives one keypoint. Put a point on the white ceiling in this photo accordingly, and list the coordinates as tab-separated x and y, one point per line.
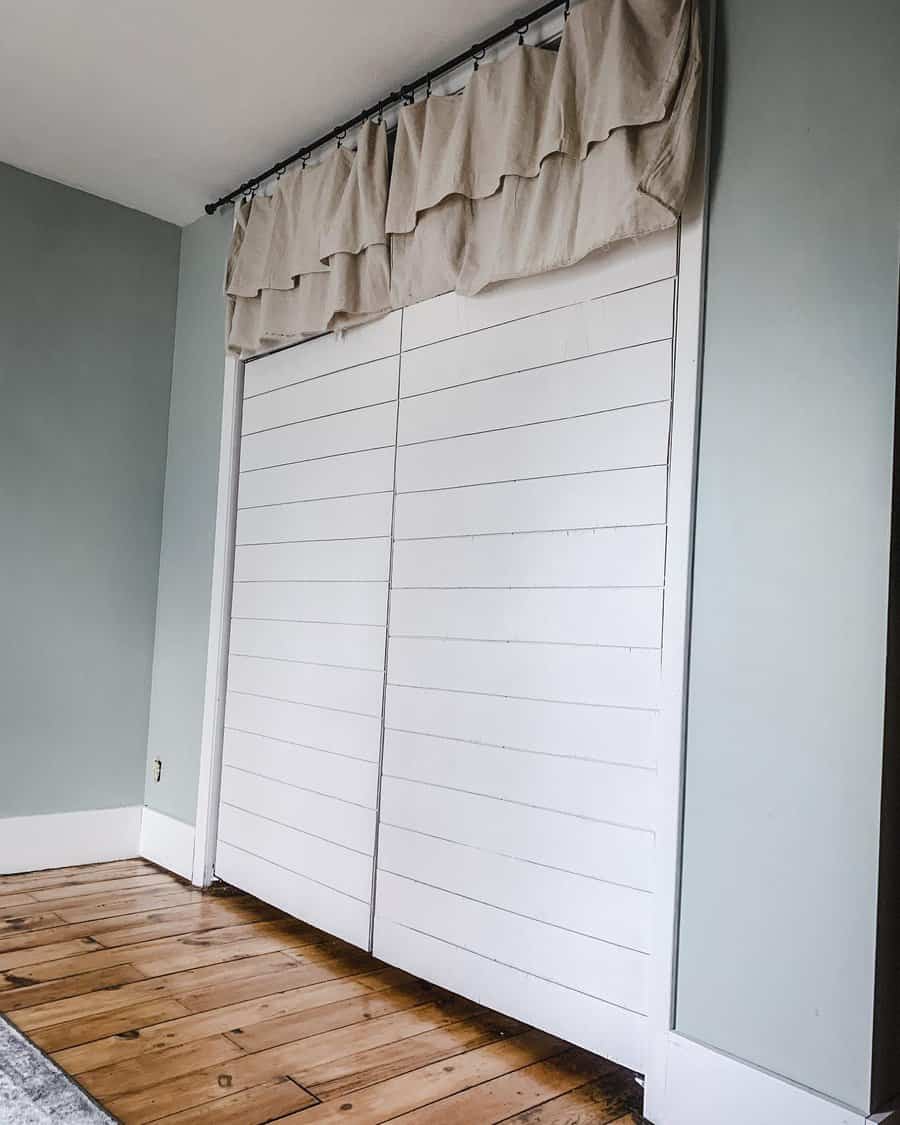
165	104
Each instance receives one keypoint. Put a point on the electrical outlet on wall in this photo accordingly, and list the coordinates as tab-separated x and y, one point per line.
157	769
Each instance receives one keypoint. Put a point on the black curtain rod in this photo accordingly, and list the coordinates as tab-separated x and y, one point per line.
405	93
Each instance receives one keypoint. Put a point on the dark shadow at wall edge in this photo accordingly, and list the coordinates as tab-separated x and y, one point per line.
718	60
886	1037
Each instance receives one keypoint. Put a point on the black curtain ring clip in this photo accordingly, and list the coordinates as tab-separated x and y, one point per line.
478	54
522	28
340	137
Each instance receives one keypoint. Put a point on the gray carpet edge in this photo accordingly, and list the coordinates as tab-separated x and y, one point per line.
34	1090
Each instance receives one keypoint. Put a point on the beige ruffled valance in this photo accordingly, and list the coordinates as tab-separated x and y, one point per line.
547	157
313	256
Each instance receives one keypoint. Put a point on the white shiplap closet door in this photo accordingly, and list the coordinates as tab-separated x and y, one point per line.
306	659
523	685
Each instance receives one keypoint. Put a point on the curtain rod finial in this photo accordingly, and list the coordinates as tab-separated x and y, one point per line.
210	208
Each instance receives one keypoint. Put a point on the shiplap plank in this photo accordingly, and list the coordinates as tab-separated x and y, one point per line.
368	427
591	617
338	732
359	560
348	517
329	819
332	775
620	439
342	689
617	498
596	790
545	367
617	1033
323	355
366	385
583	964
630	556
615	269
568	673
297	851
354	646
345	474
588	906
299	896
585	847
610	734
347	603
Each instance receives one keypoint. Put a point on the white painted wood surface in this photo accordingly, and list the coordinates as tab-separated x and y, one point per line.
324	355
525	629
364	427
168	842
595	442
292	891
622	616
346	517
320	397
580	786
595	848
347	474
613	913
488	503
700	1086
320	726
614	556
582	500
206	833
356	691
567	1012
344	603
605	734
303	712
309	642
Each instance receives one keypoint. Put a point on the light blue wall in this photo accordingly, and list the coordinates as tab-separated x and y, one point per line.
87	313
784	751
185	560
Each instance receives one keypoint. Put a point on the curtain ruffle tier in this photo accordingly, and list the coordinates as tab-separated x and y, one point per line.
545	157
313	256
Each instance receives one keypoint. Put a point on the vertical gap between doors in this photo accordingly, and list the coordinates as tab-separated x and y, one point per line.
387	642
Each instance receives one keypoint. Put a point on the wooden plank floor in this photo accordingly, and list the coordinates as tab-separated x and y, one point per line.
167	1003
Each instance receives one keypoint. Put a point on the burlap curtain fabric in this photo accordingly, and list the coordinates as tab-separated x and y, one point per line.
313	256
545	157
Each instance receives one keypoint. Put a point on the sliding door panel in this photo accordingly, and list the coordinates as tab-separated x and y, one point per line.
303	715
523	683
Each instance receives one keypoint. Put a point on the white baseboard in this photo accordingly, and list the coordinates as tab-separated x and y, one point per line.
704	1087
36	843
168	842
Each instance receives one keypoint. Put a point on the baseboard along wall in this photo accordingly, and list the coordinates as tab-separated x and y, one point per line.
167	842
37	843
